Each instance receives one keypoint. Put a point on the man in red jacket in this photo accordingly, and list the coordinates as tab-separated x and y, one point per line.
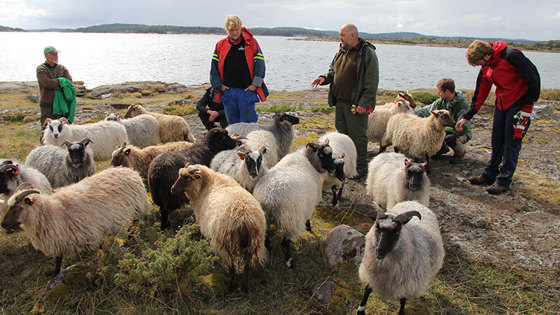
237	73
518	87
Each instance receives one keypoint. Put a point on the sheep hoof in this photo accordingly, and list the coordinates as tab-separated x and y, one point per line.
290	263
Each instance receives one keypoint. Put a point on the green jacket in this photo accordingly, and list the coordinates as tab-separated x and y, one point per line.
364	92
65	99
456	107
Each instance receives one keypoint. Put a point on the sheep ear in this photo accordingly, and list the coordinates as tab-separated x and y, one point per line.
341	155
262	149
424	165
434	113
326	141
406	162
127	152
28	201
311	146
403	218
197	173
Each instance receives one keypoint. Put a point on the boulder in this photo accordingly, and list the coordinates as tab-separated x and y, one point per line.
323	291
543	110
344	242
33	98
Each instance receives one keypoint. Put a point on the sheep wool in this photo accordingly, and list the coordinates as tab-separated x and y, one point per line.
171	128
142	131
341	143
378	119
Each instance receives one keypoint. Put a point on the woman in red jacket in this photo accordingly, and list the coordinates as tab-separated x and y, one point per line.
518	87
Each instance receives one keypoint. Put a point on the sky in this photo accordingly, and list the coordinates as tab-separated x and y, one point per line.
512	19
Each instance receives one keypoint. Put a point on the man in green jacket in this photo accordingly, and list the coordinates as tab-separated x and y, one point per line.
353	77
455	102
47	75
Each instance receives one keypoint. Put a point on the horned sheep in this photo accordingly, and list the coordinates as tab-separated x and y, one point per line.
227	214
291	189
171	128
402	254
244	165
63	166
392	178
78	216
142	130
280	126
164	169
105	135
139	159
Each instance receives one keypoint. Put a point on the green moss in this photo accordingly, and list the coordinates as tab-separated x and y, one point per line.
279	108
180	110
424	97
550	94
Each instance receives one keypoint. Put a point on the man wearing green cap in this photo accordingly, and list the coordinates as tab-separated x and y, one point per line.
47	74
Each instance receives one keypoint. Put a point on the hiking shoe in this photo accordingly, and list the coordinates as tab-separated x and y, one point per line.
496	189
479	180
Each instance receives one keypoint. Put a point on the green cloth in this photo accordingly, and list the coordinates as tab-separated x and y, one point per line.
456	107
65	99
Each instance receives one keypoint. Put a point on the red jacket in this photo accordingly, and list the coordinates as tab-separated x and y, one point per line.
255	62
516	79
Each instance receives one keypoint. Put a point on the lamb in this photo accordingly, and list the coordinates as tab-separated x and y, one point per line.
291	189
392	178
171	128
142	130
401	254
415	136
78	216
227	214
377	120
334	181
105	135
13	174
139	159
244	165
341	143
280	126
165	167
63	166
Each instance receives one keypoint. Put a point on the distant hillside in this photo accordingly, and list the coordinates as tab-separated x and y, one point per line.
10	29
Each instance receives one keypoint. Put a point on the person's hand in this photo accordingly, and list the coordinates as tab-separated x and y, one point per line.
359	109
318	81
251	87
460	123
213	115
224	88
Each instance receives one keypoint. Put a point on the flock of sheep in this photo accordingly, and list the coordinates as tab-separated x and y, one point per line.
238	182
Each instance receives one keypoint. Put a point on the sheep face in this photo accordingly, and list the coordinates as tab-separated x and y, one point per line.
320	156
9	174
77	155
290	119
218	140
19	207
120	157
414	174
56	127
133	111
191	181
444	118
387	231
339	167
253	160
113	117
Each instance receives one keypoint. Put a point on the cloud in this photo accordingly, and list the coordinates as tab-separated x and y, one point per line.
14	10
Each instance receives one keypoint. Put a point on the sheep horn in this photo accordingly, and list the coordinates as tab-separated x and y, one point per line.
25	193
403	218
86	141
67	143
24	186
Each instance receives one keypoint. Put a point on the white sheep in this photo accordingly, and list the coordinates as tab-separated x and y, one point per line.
264	138
377	120
142	130
78	216
244	165
402	254
280	126
139	159
341	143
227	214
291	189
105	135
13	174
417	137
63	166
171	128
392	178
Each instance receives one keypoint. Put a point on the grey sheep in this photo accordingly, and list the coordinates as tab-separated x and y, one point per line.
171	128
244	165
105	135
392	178
142	130
78	216
228	215
291	189
280	126
63	166
402	254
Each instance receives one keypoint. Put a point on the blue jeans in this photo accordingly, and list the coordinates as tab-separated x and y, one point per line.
239	105
504	147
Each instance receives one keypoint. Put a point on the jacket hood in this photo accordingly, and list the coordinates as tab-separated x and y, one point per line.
498	47
459	97
247	35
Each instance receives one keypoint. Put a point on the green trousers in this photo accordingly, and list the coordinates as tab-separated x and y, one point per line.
355	126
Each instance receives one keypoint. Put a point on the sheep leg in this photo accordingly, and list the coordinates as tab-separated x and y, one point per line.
164	218
231	276
334	196
362	308
58	265
401	310
339	195
245	276
382	148
286	249
428	170
308	226
396	149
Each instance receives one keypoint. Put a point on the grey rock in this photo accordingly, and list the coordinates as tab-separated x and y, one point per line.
344	242
543	110
323	291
